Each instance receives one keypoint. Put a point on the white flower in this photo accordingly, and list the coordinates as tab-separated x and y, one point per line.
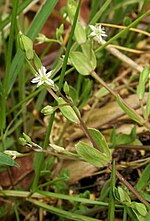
98	32
43	78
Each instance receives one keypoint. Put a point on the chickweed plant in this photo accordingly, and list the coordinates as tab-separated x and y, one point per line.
81	79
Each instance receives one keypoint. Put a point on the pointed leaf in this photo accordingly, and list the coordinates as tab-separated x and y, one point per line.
129	111
81	62
100	140
7	160
67	111
91	155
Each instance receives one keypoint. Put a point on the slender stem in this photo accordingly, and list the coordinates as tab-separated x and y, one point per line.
62	74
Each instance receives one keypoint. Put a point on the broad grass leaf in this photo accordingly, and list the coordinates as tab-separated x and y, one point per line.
91	155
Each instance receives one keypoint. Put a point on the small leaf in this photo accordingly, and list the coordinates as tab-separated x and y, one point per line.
142	81
7	160
126	138
129	111
81	62
80	34
67	111
100	140
91	155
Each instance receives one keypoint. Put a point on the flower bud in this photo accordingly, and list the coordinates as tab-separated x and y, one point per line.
42	38
22	141
48	110
26	45
27	138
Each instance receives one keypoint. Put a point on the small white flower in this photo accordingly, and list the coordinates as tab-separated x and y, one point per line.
43	78
98	32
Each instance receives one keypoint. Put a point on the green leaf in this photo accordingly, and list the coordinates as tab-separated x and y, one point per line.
92	155
142	81
126	138
61	213
7	160
81	62
80	34
67	111
41	18
129	111
144	179
73	94
100	140
89	52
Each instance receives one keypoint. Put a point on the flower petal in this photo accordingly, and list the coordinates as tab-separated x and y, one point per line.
49	82
40	83
92	27
35	80
49	74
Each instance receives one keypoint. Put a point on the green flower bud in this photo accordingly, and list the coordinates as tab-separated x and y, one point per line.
22	141
27	138
66	88
59	31
26	45
48	110
42	38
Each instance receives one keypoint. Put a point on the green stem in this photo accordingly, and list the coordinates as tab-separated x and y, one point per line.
111	209
62	74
